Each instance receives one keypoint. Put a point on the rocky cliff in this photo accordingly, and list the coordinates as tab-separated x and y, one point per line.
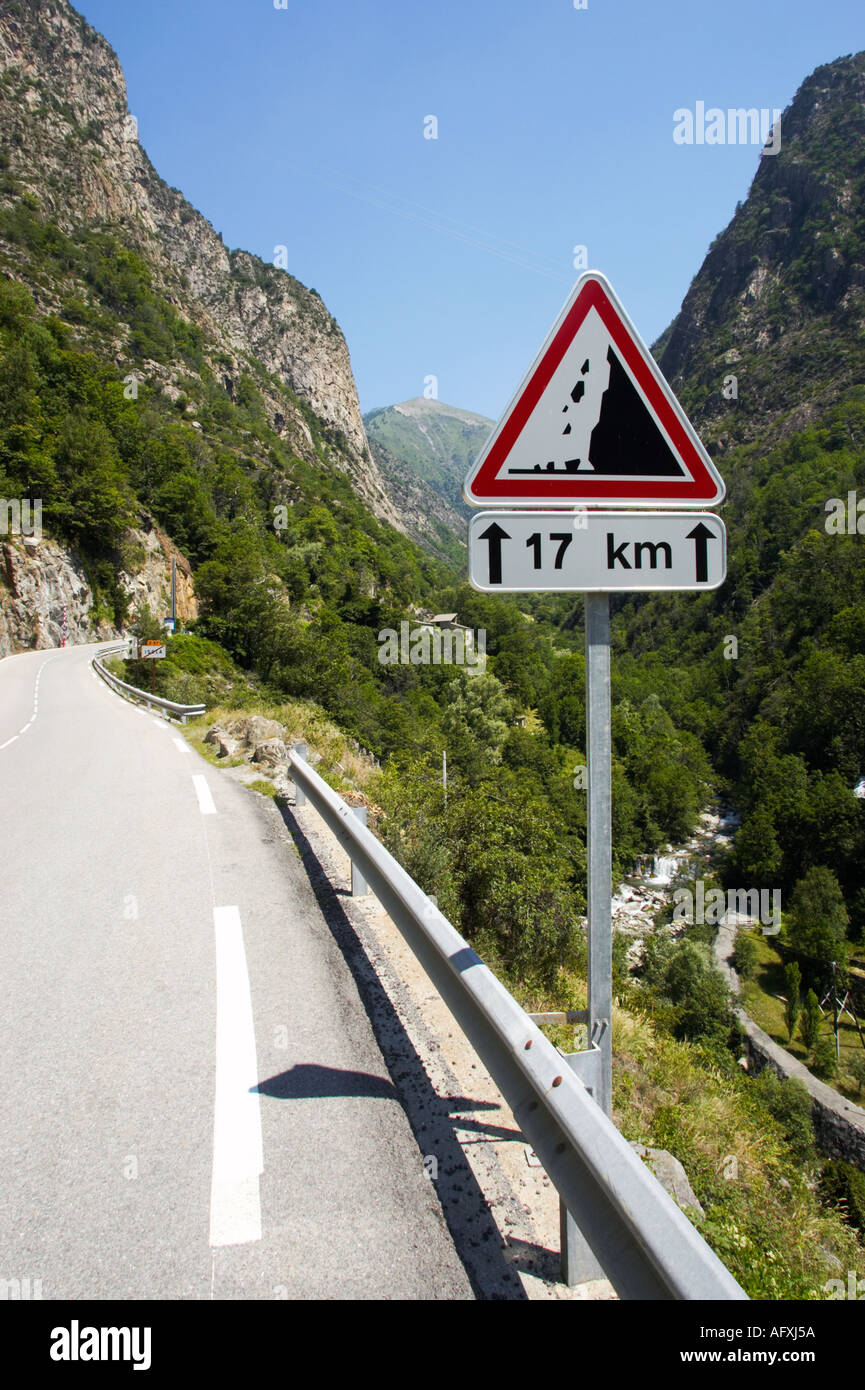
40	578
779	302
68	137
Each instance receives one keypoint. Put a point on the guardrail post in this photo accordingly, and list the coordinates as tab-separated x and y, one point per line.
359	885
302	751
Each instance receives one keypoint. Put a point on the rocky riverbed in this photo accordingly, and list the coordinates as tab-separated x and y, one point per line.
648	889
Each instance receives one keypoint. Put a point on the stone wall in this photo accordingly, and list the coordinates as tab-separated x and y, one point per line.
839	1125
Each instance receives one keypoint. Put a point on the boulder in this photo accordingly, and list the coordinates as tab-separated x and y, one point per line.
255	729
272	752
671	1175
220	740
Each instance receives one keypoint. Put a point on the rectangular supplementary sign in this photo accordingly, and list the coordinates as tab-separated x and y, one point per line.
595	551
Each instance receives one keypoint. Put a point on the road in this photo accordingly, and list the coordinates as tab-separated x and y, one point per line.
193	1105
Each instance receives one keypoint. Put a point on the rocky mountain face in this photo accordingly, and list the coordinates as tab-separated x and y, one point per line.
772	330
68	137
39	579
433	441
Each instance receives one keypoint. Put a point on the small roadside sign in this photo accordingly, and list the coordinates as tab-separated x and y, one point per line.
596	552
151	649
594	421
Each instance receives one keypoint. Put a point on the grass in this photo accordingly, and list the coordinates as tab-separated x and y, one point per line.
343	765
763	1216
263	787
760	1002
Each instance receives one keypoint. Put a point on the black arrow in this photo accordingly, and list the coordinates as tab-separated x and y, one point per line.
701	535
495	535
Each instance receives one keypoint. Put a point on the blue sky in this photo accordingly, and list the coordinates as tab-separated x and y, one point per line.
451	257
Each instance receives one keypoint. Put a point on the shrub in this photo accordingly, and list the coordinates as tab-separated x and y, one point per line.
843	1185
699	993
790	1104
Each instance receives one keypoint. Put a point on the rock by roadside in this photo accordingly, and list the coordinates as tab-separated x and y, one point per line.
671	1175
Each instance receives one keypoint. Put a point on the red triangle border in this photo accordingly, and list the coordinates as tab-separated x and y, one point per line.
485	486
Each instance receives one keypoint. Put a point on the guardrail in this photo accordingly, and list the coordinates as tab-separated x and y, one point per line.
646	1246
131	692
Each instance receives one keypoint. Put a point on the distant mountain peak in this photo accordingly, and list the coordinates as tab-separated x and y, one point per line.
420	406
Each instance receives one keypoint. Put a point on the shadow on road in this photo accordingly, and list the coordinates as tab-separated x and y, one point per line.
473	1230
309	1081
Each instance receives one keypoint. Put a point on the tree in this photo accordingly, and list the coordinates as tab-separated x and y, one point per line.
825	1061
810	1021
746	955
699	993
757	851
793	988
818	918
856	1068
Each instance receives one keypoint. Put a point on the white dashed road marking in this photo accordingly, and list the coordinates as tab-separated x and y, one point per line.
205	800
182	745
35	706
238	1155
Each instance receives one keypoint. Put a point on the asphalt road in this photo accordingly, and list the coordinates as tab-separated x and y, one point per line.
192	1101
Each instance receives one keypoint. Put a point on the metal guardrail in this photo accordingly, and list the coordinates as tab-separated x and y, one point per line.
131	692
645	1244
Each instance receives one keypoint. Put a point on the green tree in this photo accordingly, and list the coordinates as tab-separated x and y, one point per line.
809	1023
818	918
793	990
699	993
856	1068
825	1061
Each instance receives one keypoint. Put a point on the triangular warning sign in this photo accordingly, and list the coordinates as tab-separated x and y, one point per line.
594	421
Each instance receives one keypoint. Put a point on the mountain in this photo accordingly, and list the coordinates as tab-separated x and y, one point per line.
71	147
779	301
769	670
436	442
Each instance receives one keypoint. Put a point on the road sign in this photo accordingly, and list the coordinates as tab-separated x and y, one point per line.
594	422
151	649
596	552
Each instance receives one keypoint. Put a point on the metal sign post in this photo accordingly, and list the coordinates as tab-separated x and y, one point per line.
599	838
578	1262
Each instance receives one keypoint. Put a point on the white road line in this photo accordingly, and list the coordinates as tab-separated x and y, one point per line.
238	1154
32	718
182	745
205	800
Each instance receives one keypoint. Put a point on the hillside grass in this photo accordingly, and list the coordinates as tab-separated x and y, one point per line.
760	1000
